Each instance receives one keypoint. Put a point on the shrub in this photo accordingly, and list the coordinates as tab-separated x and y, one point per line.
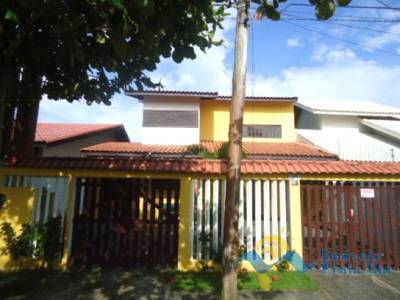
283	266
38	241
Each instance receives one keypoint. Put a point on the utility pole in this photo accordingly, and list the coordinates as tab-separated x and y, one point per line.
231	234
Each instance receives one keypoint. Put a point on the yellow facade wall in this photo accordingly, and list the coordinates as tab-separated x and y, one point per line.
214	119
17	210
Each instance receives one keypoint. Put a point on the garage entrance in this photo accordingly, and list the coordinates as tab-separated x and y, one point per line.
132	222
352	224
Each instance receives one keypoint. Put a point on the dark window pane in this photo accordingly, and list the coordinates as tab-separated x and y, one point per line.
170	118
262	131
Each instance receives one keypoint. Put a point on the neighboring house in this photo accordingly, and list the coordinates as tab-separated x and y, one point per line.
354	130
63	139
173	120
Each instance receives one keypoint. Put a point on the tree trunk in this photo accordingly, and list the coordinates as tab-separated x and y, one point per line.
231	234
27	114
25	128
2	117
7	109
7	122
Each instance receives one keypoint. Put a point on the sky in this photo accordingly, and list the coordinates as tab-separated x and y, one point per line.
354	56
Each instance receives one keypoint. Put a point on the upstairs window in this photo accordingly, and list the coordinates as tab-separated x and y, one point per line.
170	118
262	131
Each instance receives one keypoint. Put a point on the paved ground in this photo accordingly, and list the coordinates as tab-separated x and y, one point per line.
115	283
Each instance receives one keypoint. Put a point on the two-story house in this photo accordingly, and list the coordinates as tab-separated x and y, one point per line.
66	139
174	120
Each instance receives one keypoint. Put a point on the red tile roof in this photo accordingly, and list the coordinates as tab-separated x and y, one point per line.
115	147
259	149
56	132
202	166
276	149
205	95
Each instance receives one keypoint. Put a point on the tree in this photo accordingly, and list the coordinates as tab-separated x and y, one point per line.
90	49
324	9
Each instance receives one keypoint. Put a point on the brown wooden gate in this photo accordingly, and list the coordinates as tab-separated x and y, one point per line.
351	224
132	222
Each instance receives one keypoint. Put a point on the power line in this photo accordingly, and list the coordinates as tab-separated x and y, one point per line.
347	25
351	6
324	34
361	17
384	4
342	18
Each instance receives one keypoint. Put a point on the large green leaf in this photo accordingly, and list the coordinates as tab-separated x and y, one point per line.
325	9
11	16
343	2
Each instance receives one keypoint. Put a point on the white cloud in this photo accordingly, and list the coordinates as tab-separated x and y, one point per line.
335	79
381	40
293	42
324	53
208	72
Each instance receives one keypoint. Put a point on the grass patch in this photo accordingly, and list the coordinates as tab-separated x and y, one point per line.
211	281
196	281
287	281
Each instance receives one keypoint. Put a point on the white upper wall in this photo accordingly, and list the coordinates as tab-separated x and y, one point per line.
355	108
350	144
171	135
334	121
171	103
339	114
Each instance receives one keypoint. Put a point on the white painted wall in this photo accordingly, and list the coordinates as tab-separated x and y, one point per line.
170	135
337	121
171	103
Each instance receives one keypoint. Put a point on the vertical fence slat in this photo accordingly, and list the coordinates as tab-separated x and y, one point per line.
41	184
325	200
241	213
199	219
333	223
51	189
369	217
317	202
267	217
249	215
207	198
310	224
36	186
378	223
394	223
192	198
257	209
384	202
361	223
223	198
341	216
282	217
274	207
215	200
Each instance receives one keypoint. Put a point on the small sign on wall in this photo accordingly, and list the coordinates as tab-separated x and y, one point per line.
367	193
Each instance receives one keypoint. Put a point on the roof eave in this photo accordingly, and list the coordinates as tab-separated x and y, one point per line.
381	129
346	113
